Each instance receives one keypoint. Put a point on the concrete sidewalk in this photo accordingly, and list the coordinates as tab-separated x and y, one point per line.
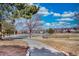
40	49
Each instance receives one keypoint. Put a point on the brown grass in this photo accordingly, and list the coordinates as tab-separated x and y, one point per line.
14	43
12	51
13	48
67	42
71	47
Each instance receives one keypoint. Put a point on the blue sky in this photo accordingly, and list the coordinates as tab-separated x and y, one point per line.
57	15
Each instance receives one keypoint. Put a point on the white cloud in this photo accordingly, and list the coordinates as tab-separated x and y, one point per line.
60	23
57	23
30	4
65	19
48	24
43	11
56	14
65	14
51	12
64	23
41	22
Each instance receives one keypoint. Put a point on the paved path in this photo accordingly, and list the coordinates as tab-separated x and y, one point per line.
40	49
37	48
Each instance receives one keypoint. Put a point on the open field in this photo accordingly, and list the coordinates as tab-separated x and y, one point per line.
63	42
67	42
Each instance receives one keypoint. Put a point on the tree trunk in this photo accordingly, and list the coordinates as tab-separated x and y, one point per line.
0	31
30	34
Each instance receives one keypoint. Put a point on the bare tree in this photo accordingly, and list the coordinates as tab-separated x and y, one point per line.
76	15
33	24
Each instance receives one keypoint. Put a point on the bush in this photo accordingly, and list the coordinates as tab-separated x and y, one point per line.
50	31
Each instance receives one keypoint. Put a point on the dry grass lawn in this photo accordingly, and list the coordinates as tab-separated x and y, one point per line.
63	42
63	45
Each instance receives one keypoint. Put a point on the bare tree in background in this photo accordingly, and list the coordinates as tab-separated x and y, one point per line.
76	16
32	24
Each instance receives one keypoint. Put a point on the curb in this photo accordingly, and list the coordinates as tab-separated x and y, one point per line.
67	54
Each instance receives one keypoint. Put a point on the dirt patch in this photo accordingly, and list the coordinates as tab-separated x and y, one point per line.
14	43
13	48
12	51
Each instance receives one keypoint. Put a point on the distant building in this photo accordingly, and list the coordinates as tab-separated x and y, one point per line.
66	30
56	30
